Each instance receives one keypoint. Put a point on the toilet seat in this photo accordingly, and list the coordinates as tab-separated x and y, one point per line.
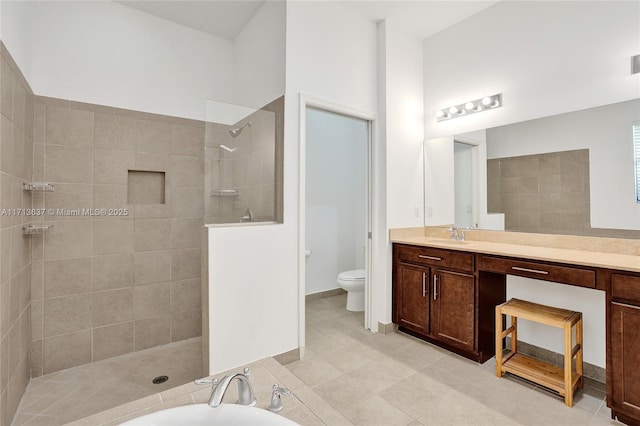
355	275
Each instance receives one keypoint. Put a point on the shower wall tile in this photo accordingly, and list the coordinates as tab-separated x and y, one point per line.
152	267
152	332
67	277
185	233
103	285
67	239
114	132
153	136
112	166
152	234
67	314
113	236
113	306
112	340
66	351
185	295
113	271
67	126
186	170
185	325
68	164
187	140
151	300
185	264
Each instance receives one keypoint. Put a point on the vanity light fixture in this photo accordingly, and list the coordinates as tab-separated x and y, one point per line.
471	107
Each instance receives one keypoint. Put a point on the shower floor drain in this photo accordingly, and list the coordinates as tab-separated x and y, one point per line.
160	379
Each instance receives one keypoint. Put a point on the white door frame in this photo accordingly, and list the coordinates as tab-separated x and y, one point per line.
311	102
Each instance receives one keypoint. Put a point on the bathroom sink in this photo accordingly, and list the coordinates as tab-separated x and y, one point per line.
202	414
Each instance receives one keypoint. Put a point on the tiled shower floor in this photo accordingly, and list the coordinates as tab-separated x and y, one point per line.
72	394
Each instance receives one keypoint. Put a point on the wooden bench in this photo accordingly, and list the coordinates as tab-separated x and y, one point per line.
562	380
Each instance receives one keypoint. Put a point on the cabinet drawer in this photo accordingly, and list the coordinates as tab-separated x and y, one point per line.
541	271
625	287
437	257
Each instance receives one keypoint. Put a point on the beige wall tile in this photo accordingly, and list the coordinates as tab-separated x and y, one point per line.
66	277
25	332
36	358
146	188
112	236
5	255
185	325
67	239
37	280
111	166
66	351
187	140
4	362
7	148
7	81
14	347
187	170
152	332
112	306
185	295
185	233
185	264
69	197
14	299
37	315
156	162
115	132
112	271
65	126
67	314
153	136
573	182
17	244
112	341
152	300
152	267
152	234
106	196
187	201
68	164
5	307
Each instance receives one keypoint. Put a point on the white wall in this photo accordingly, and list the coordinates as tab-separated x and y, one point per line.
400	166
606	132
15	34
253	295
260	56
105	53
545	57
439	185
336	185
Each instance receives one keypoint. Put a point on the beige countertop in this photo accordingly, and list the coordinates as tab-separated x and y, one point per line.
556	249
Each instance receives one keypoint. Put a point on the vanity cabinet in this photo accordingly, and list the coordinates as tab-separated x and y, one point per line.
436	298
624	374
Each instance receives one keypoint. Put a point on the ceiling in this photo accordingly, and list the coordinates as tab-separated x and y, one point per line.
226	18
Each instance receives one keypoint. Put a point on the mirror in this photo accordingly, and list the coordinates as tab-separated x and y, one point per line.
571	173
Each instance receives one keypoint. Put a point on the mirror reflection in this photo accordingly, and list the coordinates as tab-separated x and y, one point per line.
571	173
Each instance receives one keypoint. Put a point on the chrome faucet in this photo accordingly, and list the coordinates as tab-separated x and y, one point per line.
245	391
248	216
456	234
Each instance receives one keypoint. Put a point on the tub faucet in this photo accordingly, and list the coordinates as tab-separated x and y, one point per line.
245	391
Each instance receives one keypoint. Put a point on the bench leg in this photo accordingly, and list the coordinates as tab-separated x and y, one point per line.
568	346
499	329
580	354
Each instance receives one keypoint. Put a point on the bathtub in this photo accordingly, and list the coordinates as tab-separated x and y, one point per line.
202	414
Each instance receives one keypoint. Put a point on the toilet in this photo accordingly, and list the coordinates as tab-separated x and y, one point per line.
353	283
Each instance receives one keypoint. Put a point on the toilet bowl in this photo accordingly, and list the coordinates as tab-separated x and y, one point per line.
353	283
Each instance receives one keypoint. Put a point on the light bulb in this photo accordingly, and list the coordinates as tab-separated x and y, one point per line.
486	101
454	110
495	104
439	113
469	106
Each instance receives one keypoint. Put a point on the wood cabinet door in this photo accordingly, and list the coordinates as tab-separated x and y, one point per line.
413	297
625	354
453	308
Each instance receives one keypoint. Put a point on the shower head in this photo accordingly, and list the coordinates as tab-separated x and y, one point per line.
236	132
226	148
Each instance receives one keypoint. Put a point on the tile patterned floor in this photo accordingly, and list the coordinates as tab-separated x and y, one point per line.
72	394
394	379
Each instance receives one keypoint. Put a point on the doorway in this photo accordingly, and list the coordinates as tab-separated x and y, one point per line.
335	202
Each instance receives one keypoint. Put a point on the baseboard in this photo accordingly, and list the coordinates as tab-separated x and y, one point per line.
323	294
387	328
288	357
589	370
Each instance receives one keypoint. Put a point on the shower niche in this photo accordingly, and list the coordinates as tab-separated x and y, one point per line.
243	163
